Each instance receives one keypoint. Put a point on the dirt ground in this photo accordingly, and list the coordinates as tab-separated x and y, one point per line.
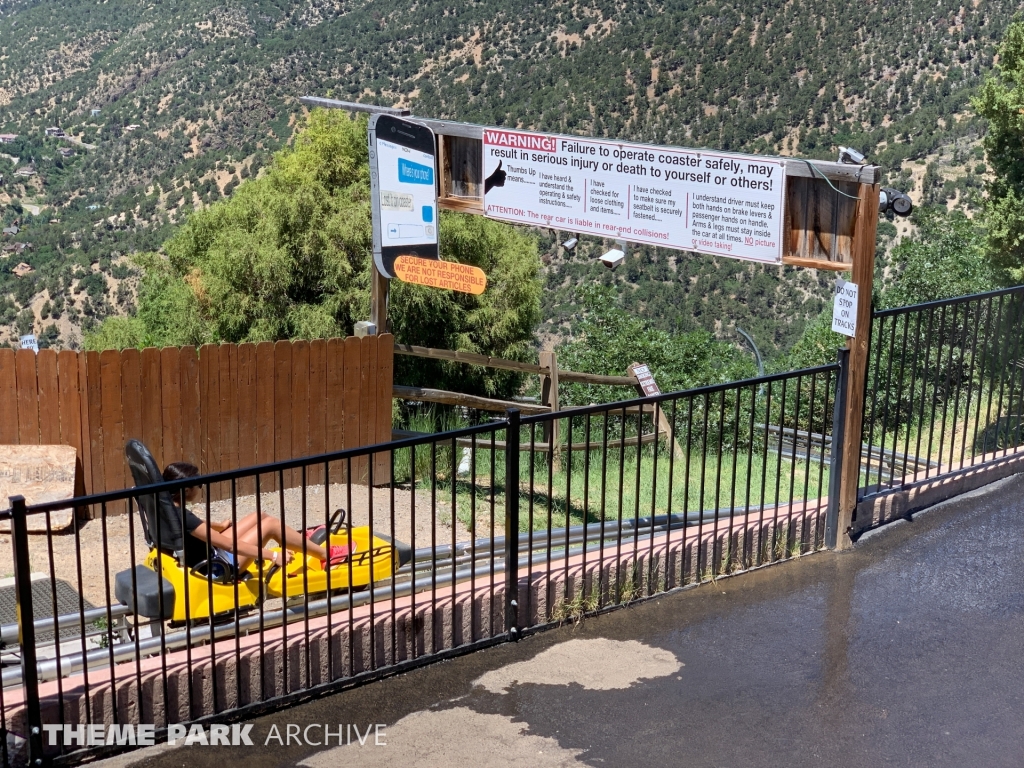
82	552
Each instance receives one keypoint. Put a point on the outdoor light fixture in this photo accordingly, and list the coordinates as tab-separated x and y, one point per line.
615	256
851	156
890	199
571	243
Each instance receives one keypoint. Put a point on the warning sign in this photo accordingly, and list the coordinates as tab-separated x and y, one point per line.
441	274
693	200
844	308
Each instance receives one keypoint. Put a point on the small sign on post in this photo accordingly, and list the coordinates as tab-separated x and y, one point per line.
844	308
29	341
645	379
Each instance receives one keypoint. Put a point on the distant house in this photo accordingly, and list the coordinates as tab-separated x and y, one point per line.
55	131
25	171
11	231
22	269
8	138
10	248
66	152
132	127
94	112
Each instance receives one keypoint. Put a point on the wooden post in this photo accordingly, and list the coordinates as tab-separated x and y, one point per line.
379	300
549	397
663	425
863	251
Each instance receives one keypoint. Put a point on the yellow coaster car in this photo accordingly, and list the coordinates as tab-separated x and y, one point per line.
371	558
166	588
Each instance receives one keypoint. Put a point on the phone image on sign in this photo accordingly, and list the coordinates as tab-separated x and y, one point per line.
404	190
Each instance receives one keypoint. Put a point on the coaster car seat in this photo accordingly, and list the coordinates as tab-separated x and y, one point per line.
164	587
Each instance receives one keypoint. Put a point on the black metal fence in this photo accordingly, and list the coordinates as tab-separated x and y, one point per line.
454	541
945	389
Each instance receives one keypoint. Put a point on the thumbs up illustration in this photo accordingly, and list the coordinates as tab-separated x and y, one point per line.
496	179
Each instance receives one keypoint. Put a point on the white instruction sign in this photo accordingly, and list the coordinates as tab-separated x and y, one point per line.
844	308
28	341
692	200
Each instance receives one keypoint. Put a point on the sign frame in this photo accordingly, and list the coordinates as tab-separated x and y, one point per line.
417	138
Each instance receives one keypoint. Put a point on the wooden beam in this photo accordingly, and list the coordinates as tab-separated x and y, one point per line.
468	401
863	276
868	175
470	358
593	378
832	266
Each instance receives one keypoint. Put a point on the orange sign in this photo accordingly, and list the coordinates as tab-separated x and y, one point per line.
441	274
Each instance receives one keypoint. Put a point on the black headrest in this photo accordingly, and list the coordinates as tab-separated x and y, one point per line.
161	518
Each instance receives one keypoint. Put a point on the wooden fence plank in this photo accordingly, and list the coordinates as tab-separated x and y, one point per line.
191	414
227	413
246	399
367	394
8	398
49	411
151	405
209	403
131	404
85	371
69	405
112	424
384	377
300	405
317	406
351	400
28	397
170	403
334	405
282	403
265	375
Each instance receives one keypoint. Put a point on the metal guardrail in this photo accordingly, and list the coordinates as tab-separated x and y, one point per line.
602	496
945	387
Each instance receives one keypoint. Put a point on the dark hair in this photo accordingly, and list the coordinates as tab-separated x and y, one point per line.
180	470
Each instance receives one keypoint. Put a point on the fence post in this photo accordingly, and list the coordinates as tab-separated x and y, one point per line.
26	630
549	397
863	254
512	524
835	477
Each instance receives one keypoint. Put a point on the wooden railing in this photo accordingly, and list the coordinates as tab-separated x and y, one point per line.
550	377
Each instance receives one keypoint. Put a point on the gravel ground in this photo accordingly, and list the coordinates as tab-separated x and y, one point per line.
84	549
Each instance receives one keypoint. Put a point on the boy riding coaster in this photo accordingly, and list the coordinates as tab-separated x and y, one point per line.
241	543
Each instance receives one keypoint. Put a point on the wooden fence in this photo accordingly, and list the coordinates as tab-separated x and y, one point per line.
220	407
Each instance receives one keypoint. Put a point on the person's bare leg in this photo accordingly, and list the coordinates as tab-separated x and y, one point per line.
245	524
272	530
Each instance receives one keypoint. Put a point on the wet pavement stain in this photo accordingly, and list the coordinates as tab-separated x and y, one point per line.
903	652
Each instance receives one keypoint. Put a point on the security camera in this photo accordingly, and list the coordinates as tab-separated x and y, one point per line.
851	156
613	258
890	199
570	244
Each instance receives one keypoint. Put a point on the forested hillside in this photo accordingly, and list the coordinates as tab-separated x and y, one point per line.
179	101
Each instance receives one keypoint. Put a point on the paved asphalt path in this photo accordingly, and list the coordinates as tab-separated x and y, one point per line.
905	651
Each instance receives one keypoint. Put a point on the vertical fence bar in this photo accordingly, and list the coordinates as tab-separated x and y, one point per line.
512	524
836	459
27	630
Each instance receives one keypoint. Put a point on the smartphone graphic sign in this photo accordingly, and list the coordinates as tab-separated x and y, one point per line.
404	191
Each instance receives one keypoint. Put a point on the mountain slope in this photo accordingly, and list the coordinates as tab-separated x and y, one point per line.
212	89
